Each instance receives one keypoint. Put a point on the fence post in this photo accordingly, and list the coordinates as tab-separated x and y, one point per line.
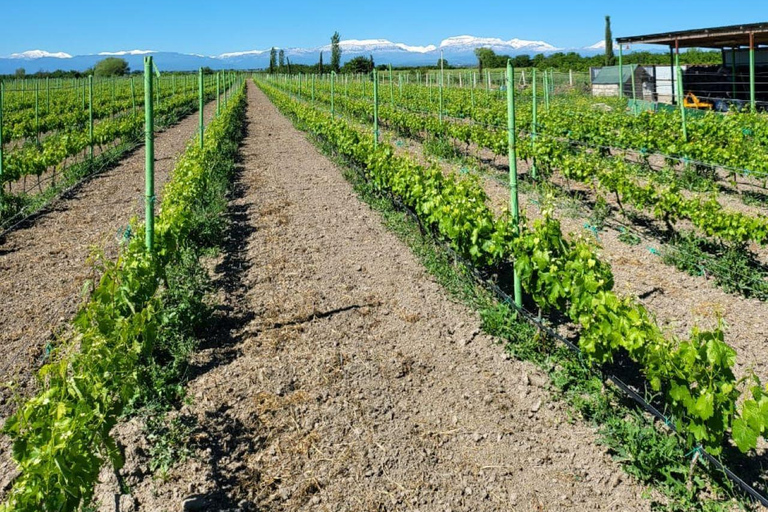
391	89
512	144
634	93
570	77
90	114
313	87
534	123
545	83
201	106
218	92
375	108
149	151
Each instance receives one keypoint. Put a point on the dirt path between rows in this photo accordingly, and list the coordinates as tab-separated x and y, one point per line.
342	378
44	263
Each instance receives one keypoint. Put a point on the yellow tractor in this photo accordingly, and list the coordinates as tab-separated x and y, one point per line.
692	101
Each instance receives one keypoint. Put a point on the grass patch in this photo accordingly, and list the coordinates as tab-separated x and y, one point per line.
734	268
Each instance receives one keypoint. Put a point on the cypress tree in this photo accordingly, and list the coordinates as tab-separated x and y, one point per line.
335	52
610	60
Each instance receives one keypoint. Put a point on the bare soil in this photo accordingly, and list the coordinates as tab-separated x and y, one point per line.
44	263
338	375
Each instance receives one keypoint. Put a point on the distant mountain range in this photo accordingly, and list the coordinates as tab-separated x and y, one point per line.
458	50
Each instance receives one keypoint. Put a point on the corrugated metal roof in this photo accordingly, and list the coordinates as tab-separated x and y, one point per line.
610	74
731	36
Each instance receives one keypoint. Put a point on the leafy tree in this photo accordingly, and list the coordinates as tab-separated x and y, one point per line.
281	58
443	63
272	60
358	65
610	60
335	52
111	66
20	73
522	61
288	61
320	64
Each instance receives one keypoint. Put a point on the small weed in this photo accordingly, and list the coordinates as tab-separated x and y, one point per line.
735	269
753	198
629	237
600	213
169	442
440	147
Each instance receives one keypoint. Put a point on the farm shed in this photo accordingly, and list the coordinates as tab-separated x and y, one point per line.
605	81
743	75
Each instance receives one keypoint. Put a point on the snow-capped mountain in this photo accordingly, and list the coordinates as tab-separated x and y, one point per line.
128	52
600	46
40	54
457	50
513	45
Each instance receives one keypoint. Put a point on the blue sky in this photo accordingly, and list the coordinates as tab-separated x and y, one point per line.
211	27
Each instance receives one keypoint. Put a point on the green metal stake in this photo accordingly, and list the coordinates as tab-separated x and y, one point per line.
400	85
442	79
391	89
733	72
201	106
680	94
133	96
634	93
752	102
149	151
2	94
375	109
90	113
37	113
512	144
333	107
621	73
546	90
218	93
313	87
534	124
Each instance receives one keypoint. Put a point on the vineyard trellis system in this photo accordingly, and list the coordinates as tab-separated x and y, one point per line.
556	274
